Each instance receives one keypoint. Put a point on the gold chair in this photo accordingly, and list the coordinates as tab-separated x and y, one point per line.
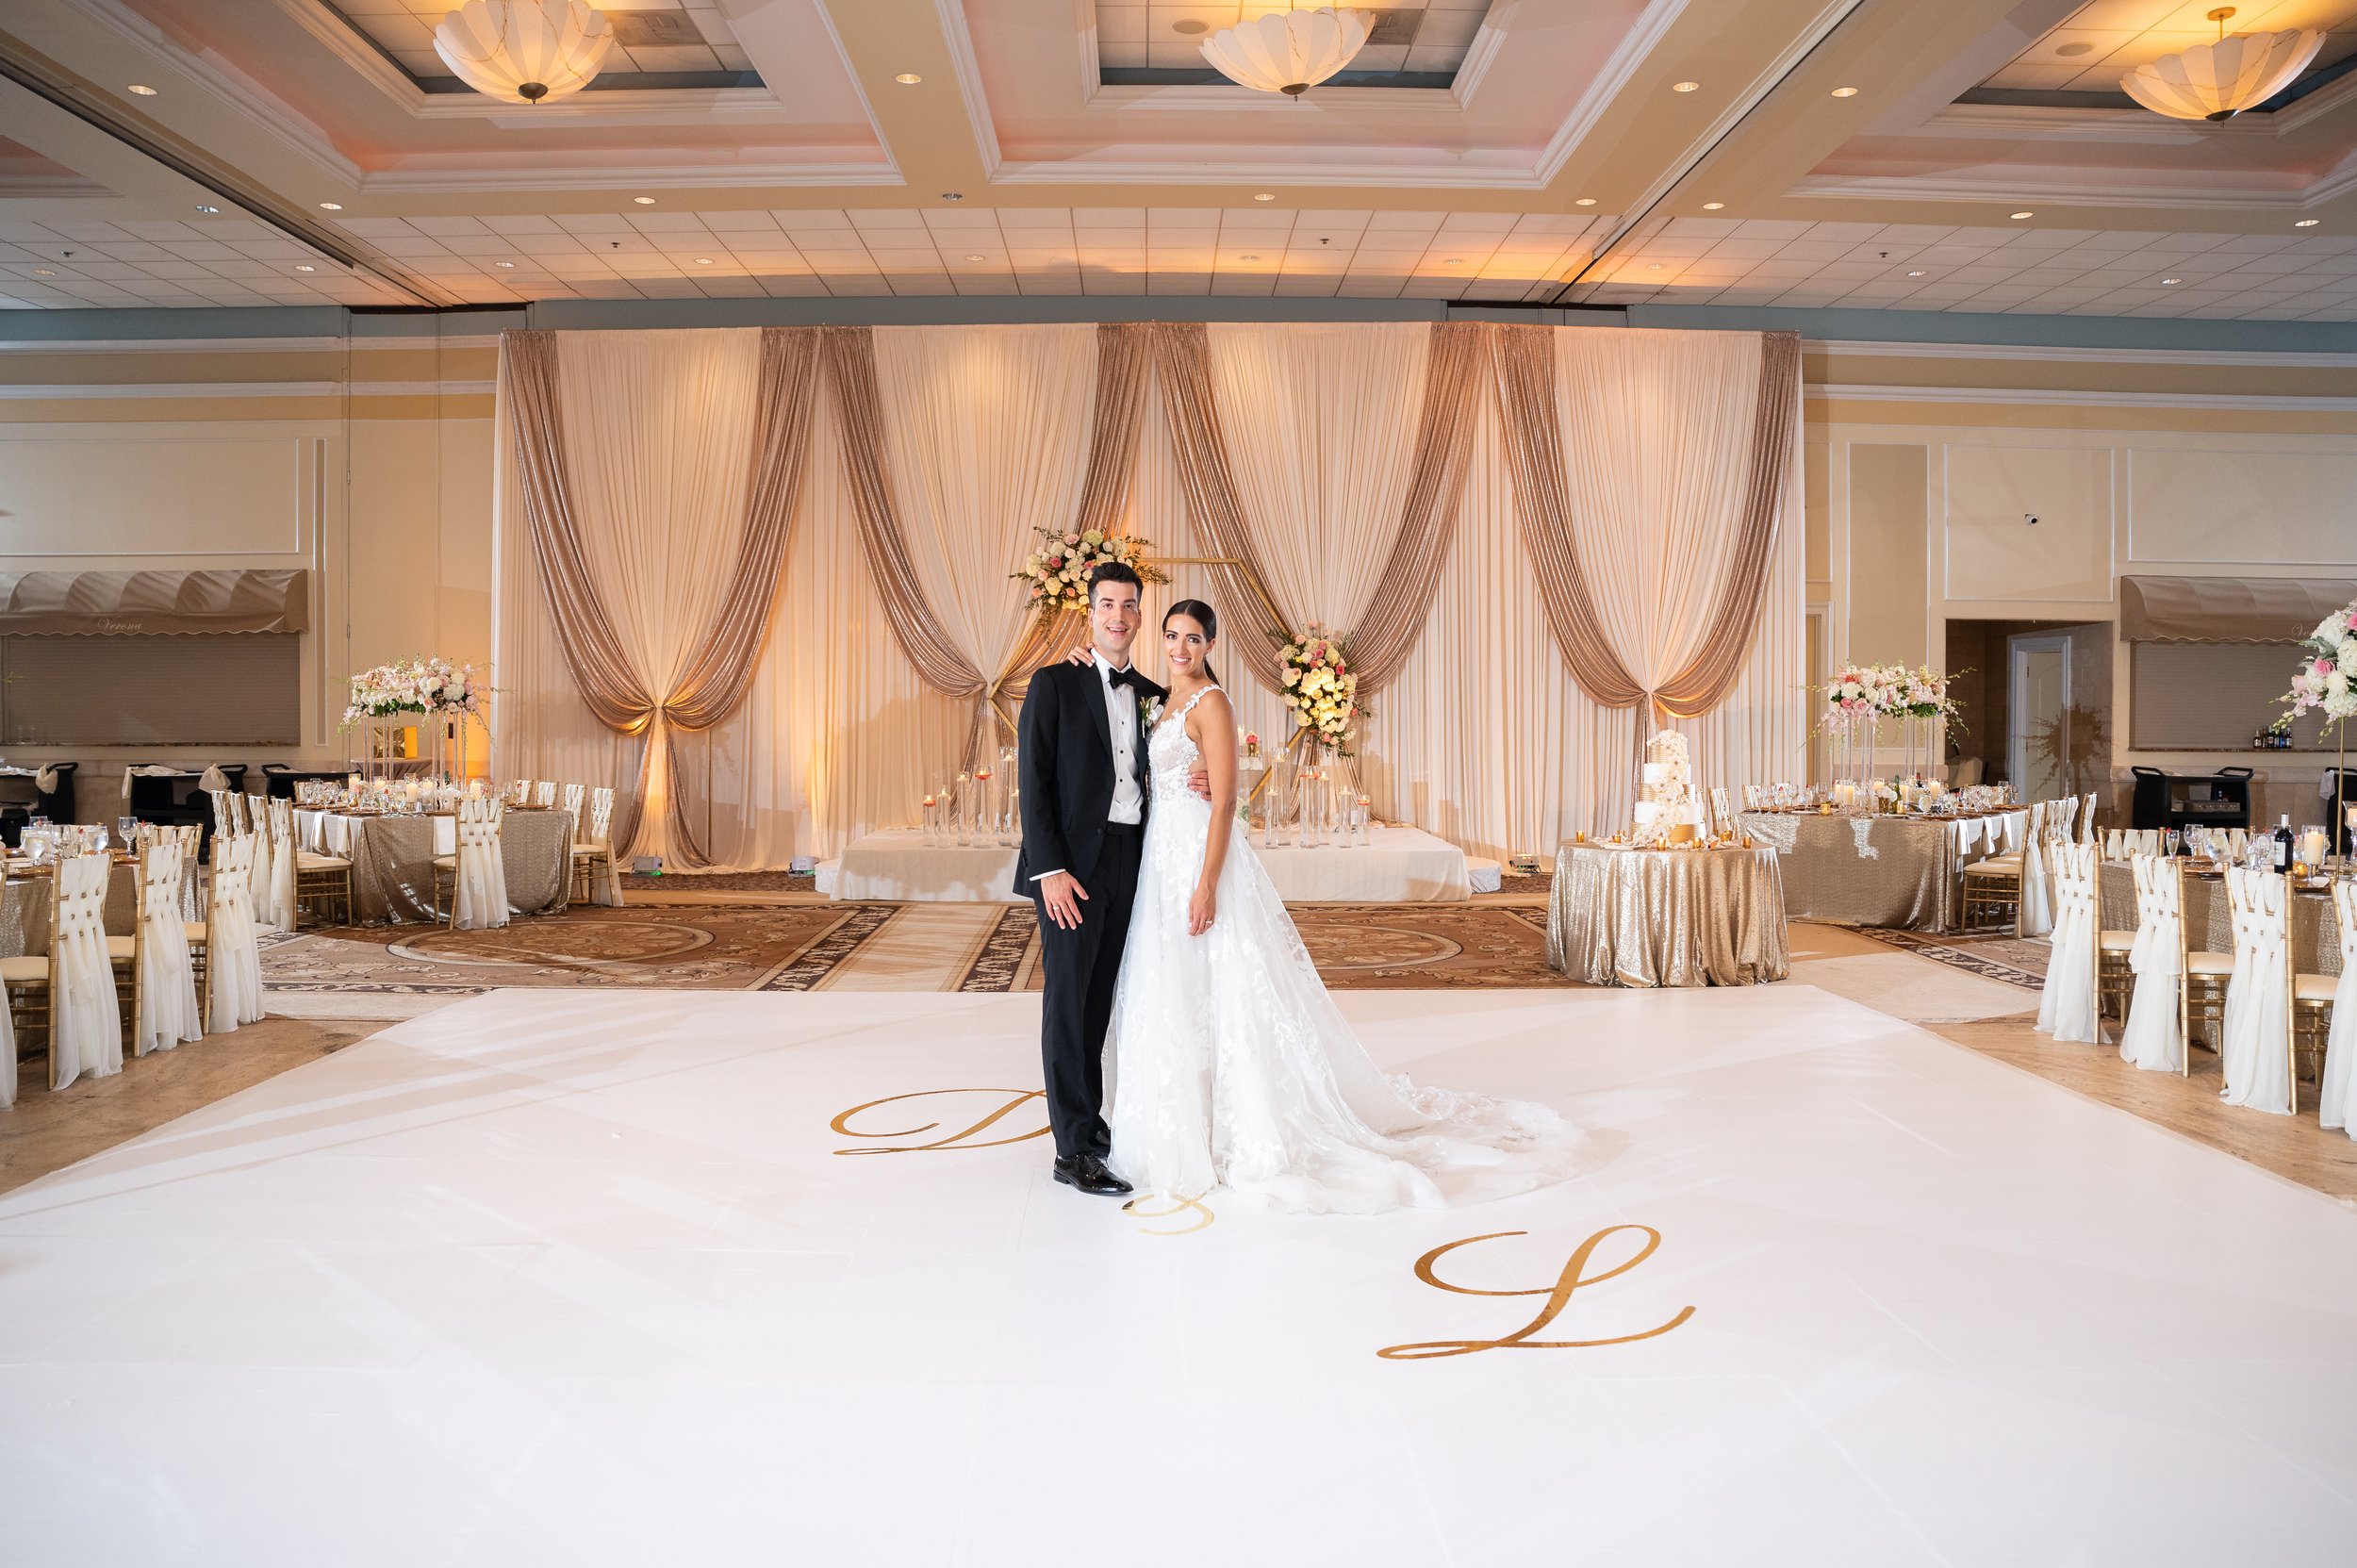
322	886
1992	886
2202	975
593	853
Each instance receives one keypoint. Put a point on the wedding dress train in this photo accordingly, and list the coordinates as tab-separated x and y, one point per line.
1231	1066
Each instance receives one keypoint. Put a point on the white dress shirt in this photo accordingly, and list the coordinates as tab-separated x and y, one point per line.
1121	716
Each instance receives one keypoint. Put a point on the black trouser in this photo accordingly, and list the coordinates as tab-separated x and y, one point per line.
1081	966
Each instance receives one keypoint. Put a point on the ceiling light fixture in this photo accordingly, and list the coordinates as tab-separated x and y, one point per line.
524	51
305	266
2171	282
908	78
143	90
703	261
976	256
2018	216
1247	259
1653	266
1584	201
1265	195
507	264
954	195
1845	92
43	272
1914	275
331	206
1713	206
2307	222
1685	87
1454	261
1287	52
207	206
2217	81
644	201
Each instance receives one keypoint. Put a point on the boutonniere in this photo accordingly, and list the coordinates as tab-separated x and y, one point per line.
1150	710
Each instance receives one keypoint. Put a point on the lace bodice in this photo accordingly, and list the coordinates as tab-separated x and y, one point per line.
1171	752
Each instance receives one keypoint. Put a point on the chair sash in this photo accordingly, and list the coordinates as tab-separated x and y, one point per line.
221	826
2035	915
605	877
2068	1001
265	854
85	1030
2337	1098
2086	818
169	1013
2258	993
479	898
233	953
274	890
544	793
575	802
518	792
2154	1037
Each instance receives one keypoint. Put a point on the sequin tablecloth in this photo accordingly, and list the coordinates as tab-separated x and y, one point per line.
1905	873
1667	916
25	907
392	860
2316	929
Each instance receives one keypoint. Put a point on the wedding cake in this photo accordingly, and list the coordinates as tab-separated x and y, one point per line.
1667	811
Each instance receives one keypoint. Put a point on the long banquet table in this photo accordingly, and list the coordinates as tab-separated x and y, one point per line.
1628	916
392	859
25	905
2316	929
1905	873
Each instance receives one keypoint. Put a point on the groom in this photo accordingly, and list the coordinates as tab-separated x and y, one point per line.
1082	773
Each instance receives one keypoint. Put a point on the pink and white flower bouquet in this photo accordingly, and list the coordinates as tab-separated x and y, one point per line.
1058	572
2322	680
416	685
1321	688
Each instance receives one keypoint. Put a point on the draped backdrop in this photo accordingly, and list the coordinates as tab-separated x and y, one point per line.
760	579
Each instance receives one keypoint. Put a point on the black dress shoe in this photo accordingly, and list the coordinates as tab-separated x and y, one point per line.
1088	1173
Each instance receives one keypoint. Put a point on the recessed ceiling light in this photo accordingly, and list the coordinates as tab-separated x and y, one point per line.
2072	51
1685	87
1653	266
2018	216
703	261
207	206
331	206
305	266
954	195
975	255
43	272
2307	222
1584	201
908	78
644	201
503	264
1713	206
1454	261
1914	275
1190	26
2171	282
1247	259
1845	92
1265	195
143	90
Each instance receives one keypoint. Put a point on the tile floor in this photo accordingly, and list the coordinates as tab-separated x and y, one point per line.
628	1278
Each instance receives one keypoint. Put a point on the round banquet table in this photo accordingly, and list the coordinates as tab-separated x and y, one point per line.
1630	917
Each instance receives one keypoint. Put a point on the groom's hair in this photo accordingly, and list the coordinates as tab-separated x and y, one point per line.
1114	572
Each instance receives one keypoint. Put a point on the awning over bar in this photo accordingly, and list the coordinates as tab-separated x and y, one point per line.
136	604
2227	609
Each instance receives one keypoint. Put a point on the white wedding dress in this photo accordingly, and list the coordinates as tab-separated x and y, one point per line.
1231	1066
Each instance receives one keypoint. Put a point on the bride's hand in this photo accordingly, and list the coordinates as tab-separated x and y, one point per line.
1082	655
1201	909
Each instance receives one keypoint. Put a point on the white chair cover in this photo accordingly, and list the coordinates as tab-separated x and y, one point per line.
479	896
544	793
223	827
233	955
2067	1005
274	891
575	801
2086	818
2258	994
2036	914
2337	1103
2127	843
605	875
265	853
2154	1037
85	1029
168	1007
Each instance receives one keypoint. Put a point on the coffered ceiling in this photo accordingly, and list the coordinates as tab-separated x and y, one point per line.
1864	153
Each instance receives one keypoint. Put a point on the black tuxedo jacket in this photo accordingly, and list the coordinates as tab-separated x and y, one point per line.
1065	770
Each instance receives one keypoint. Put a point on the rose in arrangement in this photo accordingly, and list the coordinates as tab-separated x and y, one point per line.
1321	688
416	685
2322	680
1057	573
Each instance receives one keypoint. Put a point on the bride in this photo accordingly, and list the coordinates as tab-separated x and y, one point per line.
1231	1066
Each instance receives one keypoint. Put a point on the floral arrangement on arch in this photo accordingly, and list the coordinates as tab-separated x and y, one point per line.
2323	679
1058	572
416	685
1321	688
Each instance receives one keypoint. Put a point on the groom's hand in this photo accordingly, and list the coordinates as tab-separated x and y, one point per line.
1062	892
1200	785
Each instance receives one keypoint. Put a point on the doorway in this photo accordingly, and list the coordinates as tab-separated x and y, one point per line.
2038	741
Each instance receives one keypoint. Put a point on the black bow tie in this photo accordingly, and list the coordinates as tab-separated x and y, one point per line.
1128	677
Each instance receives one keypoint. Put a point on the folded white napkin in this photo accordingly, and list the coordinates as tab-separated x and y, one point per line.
147	770
214	779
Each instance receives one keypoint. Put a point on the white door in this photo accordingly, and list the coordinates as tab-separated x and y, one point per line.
2038	744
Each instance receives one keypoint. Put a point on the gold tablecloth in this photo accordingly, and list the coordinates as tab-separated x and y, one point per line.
1624	916
1904	873
392	860
2316	929
25	908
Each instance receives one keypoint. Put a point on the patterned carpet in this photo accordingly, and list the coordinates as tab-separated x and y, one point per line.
1356	947
723	881
2014	960
713	947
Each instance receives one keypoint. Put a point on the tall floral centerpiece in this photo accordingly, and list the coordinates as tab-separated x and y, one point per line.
1857	698
2323	682
1321	692
1922	699
447	695
1056	575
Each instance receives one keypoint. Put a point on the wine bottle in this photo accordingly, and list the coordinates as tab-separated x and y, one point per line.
2284	843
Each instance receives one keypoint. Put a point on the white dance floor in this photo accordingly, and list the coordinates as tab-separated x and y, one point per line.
560	1277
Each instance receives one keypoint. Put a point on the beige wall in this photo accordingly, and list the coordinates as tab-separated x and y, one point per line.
367	462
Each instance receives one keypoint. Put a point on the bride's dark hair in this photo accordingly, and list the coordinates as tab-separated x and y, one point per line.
1203	616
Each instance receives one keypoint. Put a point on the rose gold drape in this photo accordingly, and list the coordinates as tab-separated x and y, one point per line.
1534	449
712	681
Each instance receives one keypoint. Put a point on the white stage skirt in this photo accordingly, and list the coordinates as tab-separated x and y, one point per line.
1398	866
